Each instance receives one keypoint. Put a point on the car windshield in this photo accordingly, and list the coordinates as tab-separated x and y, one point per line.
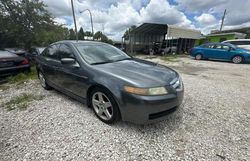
41	49
101	53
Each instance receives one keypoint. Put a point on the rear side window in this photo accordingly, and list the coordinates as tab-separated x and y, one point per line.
65	52
207	46
217	46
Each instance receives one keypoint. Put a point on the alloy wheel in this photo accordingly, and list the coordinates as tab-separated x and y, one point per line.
102	106
237	59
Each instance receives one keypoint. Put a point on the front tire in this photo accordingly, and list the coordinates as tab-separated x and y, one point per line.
104	106
237	59
43	81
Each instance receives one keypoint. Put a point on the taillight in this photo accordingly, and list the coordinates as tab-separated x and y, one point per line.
25	62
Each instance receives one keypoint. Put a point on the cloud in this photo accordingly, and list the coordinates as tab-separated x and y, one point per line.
199	5
205	19
113	17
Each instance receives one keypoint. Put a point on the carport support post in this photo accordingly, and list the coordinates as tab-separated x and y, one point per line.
131	43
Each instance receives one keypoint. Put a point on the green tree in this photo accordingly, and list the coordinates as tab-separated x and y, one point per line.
88	33
126	34
72	35
101	37
81	34
22	20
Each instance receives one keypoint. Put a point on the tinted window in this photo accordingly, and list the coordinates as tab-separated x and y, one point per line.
51	52
217	46
65	52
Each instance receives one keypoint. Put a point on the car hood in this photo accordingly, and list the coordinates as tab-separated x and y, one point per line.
139	73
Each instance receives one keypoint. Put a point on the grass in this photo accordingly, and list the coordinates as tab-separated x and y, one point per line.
4	87
23	77
22	101
170	58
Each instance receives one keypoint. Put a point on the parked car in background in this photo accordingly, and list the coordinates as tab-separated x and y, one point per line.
34	51
220	51
241	43
12	64
114	84
17	51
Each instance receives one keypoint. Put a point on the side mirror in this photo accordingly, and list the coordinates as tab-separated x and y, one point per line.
68	61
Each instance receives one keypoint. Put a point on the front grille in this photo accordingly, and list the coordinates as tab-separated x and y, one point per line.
161	114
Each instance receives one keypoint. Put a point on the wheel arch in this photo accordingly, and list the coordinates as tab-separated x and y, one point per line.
94	86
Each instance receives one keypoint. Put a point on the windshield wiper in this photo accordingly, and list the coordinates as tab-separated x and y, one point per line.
103	62
123	59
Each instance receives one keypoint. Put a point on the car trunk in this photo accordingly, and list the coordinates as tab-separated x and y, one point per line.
11	60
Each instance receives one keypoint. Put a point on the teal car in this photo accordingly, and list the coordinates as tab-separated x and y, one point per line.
221	51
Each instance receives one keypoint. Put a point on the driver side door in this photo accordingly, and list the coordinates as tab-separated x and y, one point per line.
71	76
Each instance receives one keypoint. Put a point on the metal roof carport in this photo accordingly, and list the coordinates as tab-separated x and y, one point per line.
145	35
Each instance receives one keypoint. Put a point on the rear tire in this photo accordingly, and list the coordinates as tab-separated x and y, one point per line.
198	57
104	106
237	59
43	81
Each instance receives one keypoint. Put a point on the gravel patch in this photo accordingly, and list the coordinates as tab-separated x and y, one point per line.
213	122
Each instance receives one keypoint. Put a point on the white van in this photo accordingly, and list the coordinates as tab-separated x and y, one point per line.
241	43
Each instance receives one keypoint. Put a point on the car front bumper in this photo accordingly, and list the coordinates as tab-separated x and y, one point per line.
148	109
13	70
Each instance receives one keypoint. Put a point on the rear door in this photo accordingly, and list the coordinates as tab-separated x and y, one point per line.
50	62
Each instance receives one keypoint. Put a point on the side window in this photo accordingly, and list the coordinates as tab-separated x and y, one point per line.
65	52
217	46
51	52
225	47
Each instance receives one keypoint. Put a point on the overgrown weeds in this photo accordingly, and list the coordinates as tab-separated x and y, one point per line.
22	101
23	77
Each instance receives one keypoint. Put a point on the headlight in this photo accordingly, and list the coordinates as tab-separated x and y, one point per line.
146	91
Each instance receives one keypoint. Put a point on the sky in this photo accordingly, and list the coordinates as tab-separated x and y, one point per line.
113	17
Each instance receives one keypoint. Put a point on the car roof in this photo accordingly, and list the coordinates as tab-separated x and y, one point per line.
79	41
214	43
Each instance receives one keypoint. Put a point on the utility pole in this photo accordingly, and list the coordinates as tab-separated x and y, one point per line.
223	18
74	17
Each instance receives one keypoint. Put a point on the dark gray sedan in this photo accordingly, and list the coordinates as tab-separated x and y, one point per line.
12	64
114	84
